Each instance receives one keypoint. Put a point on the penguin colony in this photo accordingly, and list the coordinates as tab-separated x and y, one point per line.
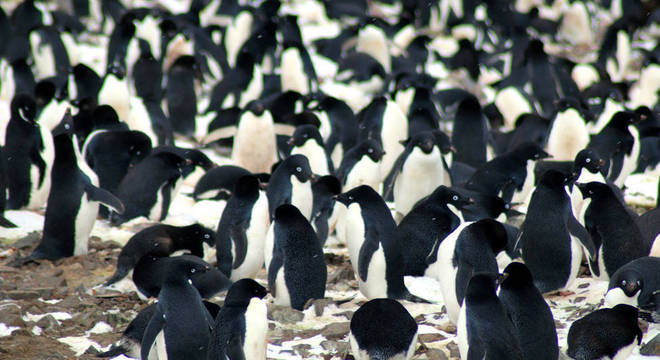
485	145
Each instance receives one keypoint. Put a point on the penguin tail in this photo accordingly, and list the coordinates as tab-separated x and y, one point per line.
6	223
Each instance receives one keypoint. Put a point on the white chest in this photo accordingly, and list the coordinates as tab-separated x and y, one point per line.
301	196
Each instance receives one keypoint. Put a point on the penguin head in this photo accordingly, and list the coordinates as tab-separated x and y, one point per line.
298	165
247	187
481	285
443	142
304	133
24	107
425	141
116	69
491	230
593	189
105	117
449	196
327	184
627	312
554	178
44	92
358	194
589	160
373	149
184	267
200	232
530	151
256	107
622	119
516	276
469	105
288	214
65	126
242	291
628	280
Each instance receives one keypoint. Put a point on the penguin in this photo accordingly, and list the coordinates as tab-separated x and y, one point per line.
297	271
635	283
375	254
470	133
612	333
160	240
485	330
649	224
343	124
241	231
613	143
87	82
420	169
382	329
306	140
470	249
291	183
361	165
147	188
115	91
180	94
181	326
433	218
323	215
551	238
529	312
131	338
4	222
29	151
73	200
613	228
150	273
568	132
240	328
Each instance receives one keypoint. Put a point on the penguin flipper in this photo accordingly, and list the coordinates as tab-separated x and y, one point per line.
276	263
576	229
105	197
166	192
151	332
219	133
367	250
239	238
5	223
36	159
388	183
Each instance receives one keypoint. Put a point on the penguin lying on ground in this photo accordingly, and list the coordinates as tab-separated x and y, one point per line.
635	283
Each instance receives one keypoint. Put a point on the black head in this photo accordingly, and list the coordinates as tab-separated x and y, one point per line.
534	49
24	107
298	165
287	213
554	178
629	280
566	103
185	267
593	189
469	104
117	70
357	194
105	117
449	196
328	184
530	151
65	126
201	232
242	291
590	160
44	92
425	141
516	276
304	133
443	142
247	186
256	107
481	285
372	148
627	312
491	230
622	119
185	62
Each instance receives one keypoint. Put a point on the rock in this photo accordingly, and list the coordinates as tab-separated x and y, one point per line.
21	295
284	314
652	347
302	349
11	315
436	354
429	338
336	331
28	241
320	304
92	350
279	335
336	347
448	327
48	322
453	349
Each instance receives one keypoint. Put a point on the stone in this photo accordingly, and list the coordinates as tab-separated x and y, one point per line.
652	347
284	314
453	349
320	305
336	331
48	322
336	347
302	349
428	338
21	295
436	354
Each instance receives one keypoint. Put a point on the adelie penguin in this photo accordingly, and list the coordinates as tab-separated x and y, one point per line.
291	183
323	214
180	94
181	326
241	327
4	222
160	240
306	140
297	271
635	283
375	254
29	152
530	314
361	165
242	229
611	333
383	329
551	237
73	201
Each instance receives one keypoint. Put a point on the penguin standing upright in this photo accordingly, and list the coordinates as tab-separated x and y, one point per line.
551	238
242	229
531	315
115	91
73	201
241	326
470	133
568	133
4	222
383	329
324	191
290	183
306	140
181	325
180	94
612	333
297	271
361	165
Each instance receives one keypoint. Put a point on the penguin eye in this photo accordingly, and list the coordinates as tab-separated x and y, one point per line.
299	169
67	126
455	197
587	160
192	271
21	113
623	282
304	136
370	150
206	236
350	198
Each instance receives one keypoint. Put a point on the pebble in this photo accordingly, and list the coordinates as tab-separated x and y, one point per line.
652	347
284	315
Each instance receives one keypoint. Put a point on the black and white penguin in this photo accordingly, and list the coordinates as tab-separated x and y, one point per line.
635	283
241	327
419	170
161	240
530	314
29	151
612	333
613	228
484	327
147	188
431	220
470	249
306	140
4	222
218	183
568	132
551	238
291	183
361	165
180	94
343	125
375	253
73	200
181	325
323	215
115	91
383	329
470	133
242	230
297	271
614	142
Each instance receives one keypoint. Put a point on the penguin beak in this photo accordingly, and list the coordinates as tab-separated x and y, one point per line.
601	162
452	149
313	177
290	141
263	186
469	201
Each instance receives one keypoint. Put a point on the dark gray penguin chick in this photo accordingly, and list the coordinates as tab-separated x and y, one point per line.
297	271
612	333
383	329
241	326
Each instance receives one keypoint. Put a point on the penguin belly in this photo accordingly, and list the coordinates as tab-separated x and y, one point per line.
421	174
316	156
524	194
354	232
254	147
578	202
302	197
364	172
568	136
376	285
461	333
256	330
256	234
282	296
269	242
156	210
39	193
84	223
629	161
576	261
395	130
